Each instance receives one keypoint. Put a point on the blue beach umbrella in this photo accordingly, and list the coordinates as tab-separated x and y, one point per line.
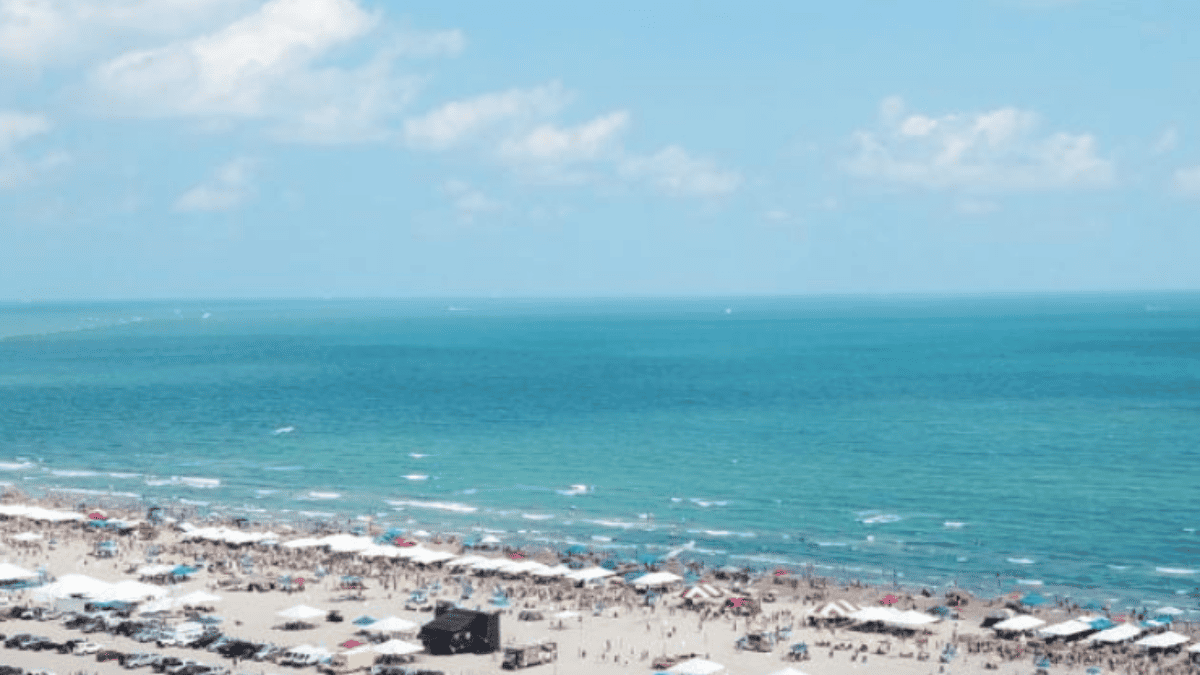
364	621
647	559
576	549
609	564
1094	671
1101	623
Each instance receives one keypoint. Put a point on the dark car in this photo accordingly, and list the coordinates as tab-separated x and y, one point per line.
11	670
30	641
40	643
217	644
165	662
69	646
93	626
266	653
238	649
109	655
13	641
204	641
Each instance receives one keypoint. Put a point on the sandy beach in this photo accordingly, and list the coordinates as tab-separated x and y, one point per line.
626	636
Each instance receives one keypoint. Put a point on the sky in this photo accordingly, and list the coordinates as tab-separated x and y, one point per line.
364	148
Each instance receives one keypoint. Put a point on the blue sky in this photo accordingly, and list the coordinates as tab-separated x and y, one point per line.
230	148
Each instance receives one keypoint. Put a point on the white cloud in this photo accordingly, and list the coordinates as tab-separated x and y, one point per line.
15	128
432	43
776	215
229	187
36	33
551	143
677	173
998	150
1187	181
459	121
468	201
1167	141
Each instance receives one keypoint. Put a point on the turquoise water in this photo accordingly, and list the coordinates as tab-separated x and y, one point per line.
1046	439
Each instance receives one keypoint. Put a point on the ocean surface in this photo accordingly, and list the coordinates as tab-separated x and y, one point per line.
999	443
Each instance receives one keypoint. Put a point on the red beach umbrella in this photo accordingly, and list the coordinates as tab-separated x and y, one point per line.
97	515
780	573
401	541
516	556
890	599
350	644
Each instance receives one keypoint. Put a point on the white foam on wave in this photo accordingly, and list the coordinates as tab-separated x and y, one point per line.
536	516
612	523
283	468
832	543
575	490
316	514
265	492
953	523
766	559
83	491
417	455
320	495
962	558
883	518
416	476
1118	567
284	430
1020	561
73	473
188	481
442	506
123	475
1174	570
676	499
597	537
706	503
1029	582
15	466
192	502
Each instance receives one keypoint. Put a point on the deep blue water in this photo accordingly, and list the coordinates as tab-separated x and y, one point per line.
1059	430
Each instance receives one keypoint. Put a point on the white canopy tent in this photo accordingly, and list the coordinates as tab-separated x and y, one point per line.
1162	640
1019	624
68	585
1071	627
27	536
397	647
130	591
556	571
466	561
304	542
697	667
1194	648
657	579
154	570
301	613
154	606
591	573
392	624
914	618
346	543
38	513
1169	611
1119	633
879	614
198	598
10	572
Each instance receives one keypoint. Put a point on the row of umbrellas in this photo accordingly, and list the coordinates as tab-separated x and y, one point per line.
1108	633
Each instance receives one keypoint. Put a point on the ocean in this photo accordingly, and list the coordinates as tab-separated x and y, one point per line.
997	443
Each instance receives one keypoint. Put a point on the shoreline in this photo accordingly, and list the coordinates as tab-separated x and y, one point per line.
625	635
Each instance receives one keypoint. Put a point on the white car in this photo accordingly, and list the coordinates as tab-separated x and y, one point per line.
88	648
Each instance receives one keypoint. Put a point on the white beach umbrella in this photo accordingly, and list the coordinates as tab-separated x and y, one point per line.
130	591
914	618
489	564
467	561
556	571
9	572
1167	639
490	539
392	624
163	605
1194	648
567	614
301	613
696	667
72	584
27	536
154	570
591	573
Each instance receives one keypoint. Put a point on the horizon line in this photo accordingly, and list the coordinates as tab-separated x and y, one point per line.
664	296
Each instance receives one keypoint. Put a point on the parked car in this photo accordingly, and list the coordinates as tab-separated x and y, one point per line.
138	660
161	665
29	642
204	641
39	644
267	652
109	655
88	648
13	641
69	646
217	644
179	667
